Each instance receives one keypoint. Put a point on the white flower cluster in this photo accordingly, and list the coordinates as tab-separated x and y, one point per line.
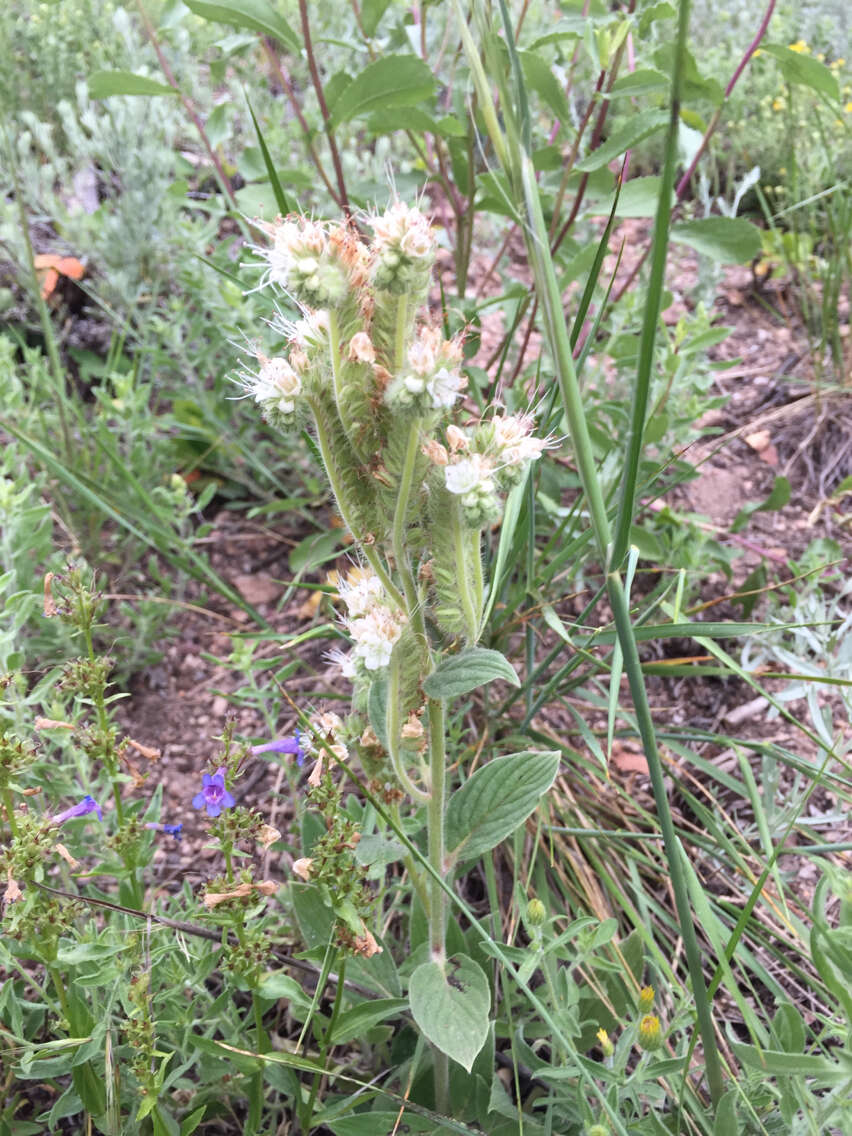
275	388
432	379
403	248
493	459
318	267
374	626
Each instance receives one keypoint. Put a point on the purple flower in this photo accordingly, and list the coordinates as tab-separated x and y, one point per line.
214	796
86	806
170	829
284	745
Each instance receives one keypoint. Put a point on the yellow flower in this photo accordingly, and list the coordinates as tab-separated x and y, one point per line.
646	998
821	56
757	51
801	47
650	1033
778	104
848	108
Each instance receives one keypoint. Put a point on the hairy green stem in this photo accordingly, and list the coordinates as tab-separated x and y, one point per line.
394	729
401	329
468	603
437	898
369	552
334	352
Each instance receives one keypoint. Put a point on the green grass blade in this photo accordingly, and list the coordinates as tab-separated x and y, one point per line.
283	202
653	303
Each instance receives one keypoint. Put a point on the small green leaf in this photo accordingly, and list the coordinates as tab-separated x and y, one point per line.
450	1002
467	670
496	799
639	127
355	1022
391	81
727	240
191	1122
256	15
102	84
371	13
277	985
804	70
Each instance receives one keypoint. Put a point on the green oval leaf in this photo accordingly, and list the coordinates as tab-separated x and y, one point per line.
642	126
102	84
804	70
727	240
496	799
393	81
256	15
467	670
354	1022
450	1002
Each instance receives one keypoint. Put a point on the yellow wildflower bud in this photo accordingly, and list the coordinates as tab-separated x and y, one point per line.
607	1048
650	1033
646	999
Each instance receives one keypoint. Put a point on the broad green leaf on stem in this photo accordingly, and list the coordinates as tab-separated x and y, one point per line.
257	15
386	121
392	81
696	87
804	70
450	1002
645	81
638	198
541	79
639	127
496	799
467	670
727	240
354	1022
102	84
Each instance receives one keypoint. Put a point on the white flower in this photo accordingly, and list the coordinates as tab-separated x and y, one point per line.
405	228
444	388
360	592
345	662
375	634
462	477
277	384
423	352
457	439
514	441
414	385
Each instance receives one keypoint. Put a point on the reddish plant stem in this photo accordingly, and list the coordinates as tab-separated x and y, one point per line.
287	87
683	184
188	106
323	105
714	121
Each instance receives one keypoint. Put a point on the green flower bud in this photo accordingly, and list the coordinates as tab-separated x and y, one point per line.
536	912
